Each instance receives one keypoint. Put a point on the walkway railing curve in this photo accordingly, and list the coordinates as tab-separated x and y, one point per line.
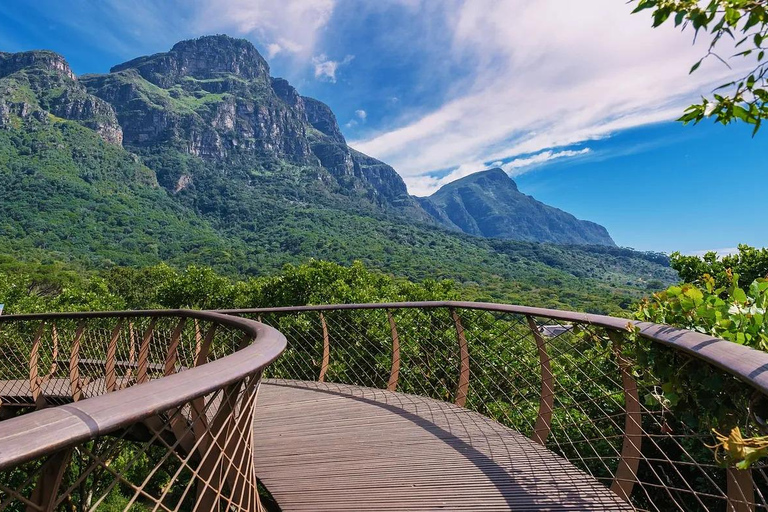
79	433
600	391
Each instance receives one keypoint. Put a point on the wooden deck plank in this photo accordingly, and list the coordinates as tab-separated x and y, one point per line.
329	447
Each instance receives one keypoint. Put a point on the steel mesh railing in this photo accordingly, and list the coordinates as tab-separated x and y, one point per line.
79	433
569	381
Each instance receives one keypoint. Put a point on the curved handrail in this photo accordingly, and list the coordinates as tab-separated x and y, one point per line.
175	389
31	435
746	363
550	380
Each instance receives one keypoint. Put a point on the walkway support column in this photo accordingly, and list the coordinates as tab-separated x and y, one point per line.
547	396
626	473
326	349
463	387
394	372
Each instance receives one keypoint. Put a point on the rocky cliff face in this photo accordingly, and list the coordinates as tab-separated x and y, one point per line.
213	98
489	204
207	115
35	85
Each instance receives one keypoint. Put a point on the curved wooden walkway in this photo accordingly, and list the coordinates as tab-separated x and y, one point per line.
330	447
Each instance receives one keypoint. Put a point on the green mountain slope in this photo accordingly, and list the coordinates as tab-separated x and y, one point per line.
489	204
197	155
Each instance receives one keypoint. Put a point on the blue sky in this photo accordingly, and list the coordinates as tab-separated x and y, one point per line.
575	100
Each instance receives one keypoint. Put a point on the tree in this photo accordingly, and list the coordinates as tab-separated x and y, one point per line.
749	264
746	23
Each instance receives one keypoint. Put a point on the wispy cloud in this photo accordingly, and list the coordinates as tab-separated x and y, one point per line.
428	184
518	166
547	75
325	68
361	114
282	26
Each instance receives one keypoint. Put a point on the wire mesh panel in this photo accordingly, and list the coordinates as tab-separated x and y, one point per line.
152	413
587	388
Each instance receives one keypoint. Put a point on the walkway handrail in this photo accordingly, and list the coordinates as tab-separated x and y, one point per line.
573	387
746	363
190	415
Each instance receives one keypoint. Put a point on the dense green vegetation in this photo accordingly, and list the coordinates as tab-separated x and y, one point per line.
749	263
720	301
745	22
237	172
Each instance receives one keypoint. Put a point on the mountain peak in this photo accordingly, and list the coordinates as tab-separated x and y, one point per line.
488	203
204	57
40	59
489	178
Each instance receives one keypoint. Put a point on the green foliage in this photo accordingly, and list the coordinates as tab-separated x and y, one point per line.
749	264
703	397
731	313
97	207
745	22
28	288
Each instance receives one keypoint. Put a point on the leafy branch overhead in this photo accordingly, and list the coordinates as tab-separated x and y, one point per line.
746	23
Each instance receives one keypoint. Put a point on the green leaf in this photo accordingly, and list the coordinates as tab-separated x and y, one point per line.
739	295
695	66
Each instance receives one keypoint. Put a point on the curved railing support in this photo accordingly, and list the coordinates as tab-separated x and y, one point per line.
44	495
34	379
543	424
326	350
463	387
626	473
740	488
394	372
188	414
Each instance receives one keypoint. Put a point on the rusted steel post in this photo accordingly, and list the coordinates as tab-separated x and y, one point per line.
55	354
543	424
131	356
110	373
173	348
205	347
34	358
626	473
463	387
741	490
143	364
75	384
394	373
47	489
326	349
198	339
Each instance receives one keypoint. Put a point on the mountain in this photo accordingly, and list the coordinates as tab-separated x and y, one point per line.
198	155
213	98
41	85
489	204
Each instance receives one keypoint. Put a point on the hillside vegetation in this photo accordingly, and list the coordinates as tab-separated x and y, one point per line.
199	157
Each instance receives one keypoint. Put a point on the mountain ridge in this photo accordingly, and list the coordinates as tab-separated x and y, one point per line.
241	174
489	204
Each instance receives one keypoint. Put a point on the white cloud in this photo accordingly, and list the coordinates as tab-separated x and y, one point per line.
546	75
325	69
273	49
292	26
362	114
518	166
426	185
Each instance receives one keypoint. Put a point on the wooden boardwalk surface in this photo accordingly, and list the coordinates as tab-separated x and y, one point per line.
329	447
